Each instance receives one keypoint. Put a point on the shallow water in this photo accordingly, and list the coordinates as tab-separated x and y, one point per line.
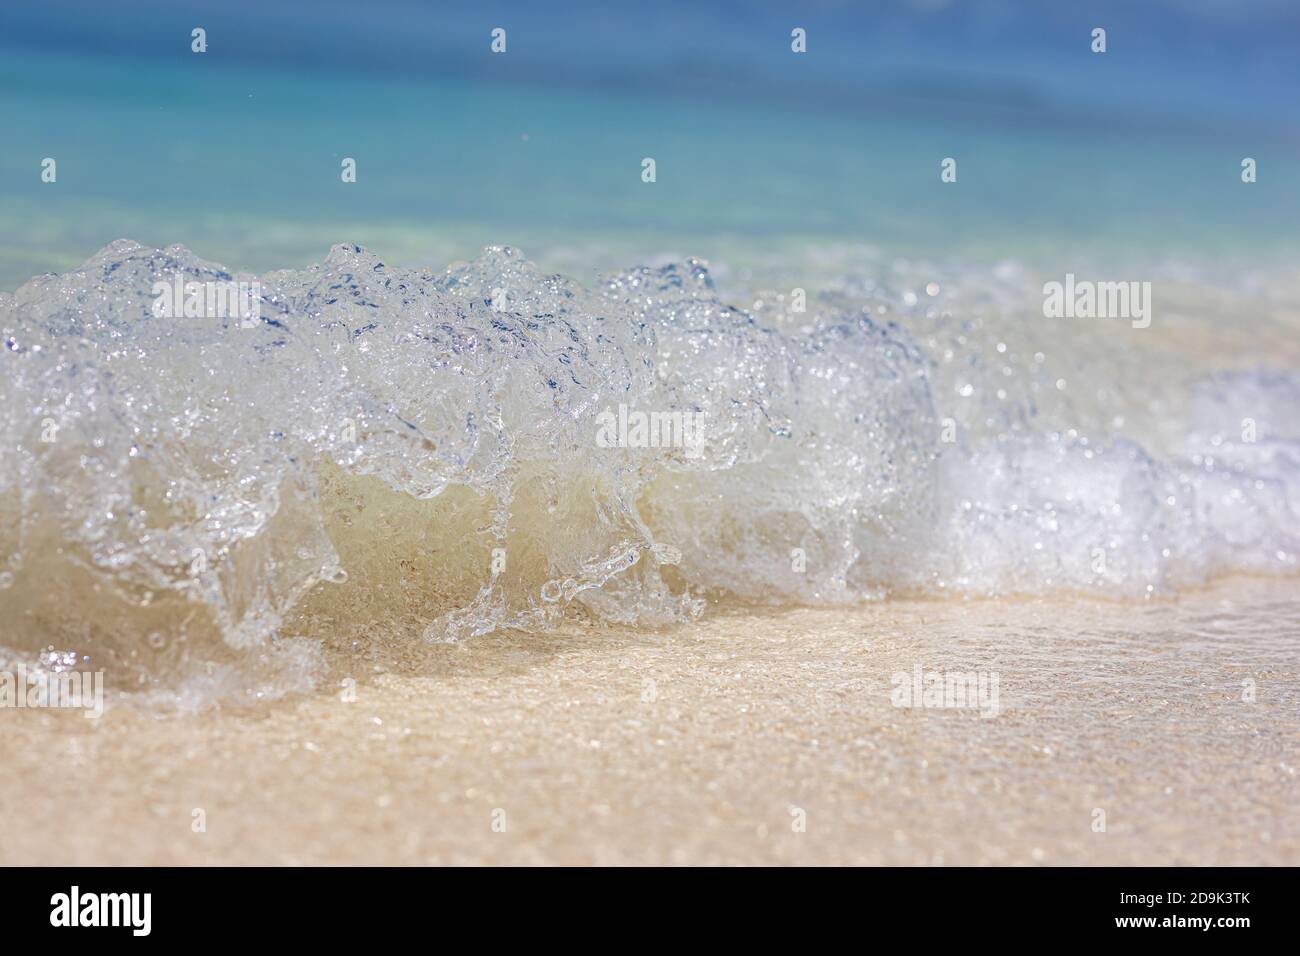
1172	725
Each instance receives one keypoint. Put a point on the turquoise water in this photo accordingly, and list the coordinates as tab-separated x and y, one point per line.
1133	154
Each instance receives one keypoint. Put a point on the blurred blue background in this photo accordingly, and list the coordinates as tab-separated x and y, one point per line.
236	152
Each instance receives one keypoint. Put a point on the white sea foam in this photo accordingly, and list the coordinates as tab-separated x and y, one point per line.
391	455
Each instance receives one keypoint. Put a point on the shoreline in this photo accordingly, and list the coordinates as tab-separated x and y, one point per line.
714	743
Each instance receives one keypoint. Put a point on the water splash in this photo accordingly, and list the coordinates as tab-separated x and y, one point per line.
389	454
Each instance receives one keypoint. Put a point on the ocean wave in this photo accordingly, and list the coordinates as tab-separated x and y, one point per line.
386	454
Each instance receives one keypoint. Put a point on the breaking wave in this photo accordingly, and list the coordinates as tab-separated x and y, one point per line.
395	455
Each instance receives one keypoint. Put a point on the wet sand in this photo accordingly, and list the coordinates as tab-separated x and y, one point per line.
713	743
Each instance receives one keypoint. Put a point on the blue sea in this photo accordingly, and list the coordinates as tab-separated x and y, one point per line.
236	152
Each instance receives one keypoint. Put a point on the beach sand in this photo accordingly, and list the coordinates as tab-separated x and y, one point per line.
756	736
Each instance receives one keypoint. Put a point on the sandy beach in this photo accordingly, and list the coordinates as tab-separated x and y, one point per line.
755	736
